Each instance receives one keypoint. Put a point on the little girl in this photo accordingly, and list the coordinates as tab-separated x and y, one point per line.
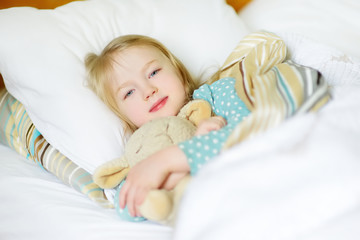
140	80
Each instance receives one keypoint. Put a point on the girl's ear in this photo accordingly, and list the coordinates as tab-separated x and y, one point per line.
110	174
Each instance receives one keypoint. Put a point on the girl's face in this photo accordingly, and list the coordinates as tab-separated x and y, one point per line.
146	85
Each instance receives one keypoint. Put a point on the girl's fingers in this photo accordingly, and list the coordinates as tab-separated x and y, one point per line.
132	198
211	124
172	180
130	202
218	122
148	174
139	199
126	197
221	121
123	196
137	211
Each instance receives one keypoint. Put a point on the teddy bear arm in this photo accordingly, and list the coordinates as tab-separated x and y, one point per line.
157	205
110	174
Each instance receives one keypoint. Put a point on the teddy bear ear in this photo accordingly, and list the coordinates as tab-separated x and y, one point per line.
110	174
196	111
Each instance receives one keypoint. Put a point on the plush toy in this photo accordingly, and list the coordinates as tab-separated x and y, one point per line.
159	205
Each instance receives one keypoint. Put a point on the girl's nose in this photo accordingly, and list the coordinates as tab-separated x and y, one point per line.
150	92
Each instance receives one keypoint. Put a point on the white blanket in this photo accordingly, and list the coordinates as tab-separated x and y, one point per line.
300	180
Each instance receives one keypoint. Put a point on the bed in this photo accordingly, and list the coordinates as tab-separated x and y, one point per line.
298	180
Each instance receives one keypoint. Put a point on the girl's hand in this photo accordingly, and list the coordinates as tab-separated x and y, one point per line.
172	180
210	124
144	176
151	173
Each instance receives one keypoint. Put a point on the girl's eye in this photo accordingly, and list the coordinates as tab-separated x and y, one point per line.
129	93
154	73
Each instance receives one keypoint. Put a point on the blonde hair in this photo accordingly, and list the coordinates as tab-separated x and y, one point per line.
100	67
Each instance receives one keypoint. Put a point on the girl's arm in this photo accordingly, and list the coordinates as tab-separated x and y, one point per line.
151	173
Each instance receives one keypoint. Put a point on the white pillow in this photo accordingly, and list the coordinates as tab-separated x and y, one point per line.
335	23
42	54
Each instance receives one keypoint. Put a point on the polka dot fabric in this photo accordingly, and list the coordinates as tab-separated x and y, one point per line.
226	103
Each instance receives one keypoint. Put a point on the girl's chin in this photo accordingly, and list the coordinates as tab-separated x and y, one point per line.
166	114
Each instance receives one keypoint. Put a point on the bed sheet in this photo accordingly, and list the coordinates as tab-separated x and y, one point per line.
36	205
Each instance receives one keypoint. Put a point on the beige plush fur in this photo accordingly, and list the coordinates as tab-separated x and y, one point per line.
159	205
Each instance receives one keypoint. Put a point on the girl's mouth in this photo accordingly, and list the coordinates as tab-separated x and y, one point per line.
159	104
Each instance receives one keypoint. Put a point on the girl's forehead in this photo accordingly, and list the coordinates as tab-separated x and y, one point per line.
142	51
138	55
